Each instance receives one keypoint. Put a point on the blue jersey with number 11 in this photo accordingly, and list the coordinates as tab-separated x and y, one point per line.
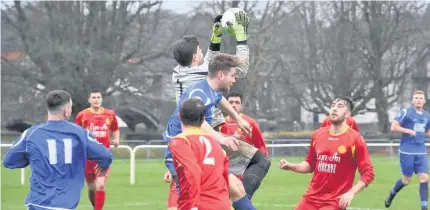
420	123
56	152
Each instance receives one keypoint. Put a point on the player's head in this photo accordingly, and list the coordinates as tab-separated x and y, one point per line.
192	112
341	109
95	98
222	69
187	51
418	99
59	104
235	99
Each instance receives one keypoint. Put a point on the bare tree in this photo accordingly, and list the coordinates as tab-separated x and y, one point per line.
390	44
322	56
362	50
77	46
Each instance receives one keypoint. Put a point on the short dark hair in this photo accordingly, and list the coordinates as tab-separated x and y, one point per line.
234	94
184	49
192	112
223	62
348	102
56	99
94	91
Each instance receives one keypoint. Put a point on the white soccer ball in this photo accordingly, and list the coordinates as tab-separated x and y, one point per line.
229	16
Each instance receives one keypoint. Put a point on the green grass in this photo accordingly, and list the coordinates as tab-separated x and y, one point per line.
280	189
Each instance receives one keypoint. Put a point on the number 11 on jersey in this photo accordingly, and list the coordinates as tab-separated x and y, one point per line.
52	151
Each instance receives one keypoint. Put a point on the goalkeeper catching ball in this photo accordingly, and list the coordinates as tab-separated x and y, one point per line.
193	67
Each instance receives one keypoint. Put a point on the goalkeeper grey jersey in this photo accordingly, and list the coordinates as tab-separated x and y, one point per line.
184	77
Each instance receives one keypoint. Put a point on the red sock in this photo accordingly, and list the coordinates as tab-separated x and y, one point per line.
100	200
92	196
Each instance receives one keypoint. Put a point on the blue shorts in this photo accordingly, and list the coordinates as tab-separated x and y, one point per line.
411	164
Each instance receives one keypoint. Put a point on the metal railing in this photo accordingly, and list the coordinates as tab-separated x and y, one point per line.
148	146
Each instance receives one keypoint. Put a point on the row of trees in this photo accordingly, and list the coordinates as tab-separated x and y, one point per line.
307	52
314	51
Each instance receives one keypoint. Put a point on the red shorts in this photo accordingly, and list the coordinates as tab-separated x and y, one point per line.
306	204
173	196
90	172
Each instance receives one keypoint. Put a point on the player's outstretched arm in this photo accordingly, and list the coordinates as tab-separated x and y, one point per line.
306	166
16	157
191	181
301	168
228	141
98	152
242	51
240	30
215	45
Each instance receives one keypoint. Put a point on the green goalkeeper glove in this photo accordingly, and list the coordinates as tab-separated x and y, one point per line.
216	30
240	29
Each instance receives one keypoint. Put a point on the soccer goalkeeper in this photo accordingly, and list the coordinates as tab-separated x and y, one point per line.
193	67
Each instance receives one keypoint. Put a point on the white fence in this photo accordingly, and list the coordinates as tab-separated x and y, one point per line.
133	154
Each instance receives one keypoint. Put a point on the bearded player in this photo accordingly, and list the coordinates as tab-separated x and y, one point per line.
200	162
100	122
335	154
414	124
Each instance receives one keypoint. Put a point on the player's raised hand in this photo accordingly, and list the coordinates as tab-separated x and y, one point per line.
245	126
167	177
284	164
217	30
240	29
345	200
230	142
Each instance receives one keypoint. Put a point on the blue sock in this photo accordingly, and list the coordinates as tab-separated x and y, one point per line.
397	187
424	193
243	204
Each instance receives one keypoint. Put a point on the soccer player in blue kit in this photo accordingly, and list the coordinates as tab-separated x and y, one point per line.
56	152
413	123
